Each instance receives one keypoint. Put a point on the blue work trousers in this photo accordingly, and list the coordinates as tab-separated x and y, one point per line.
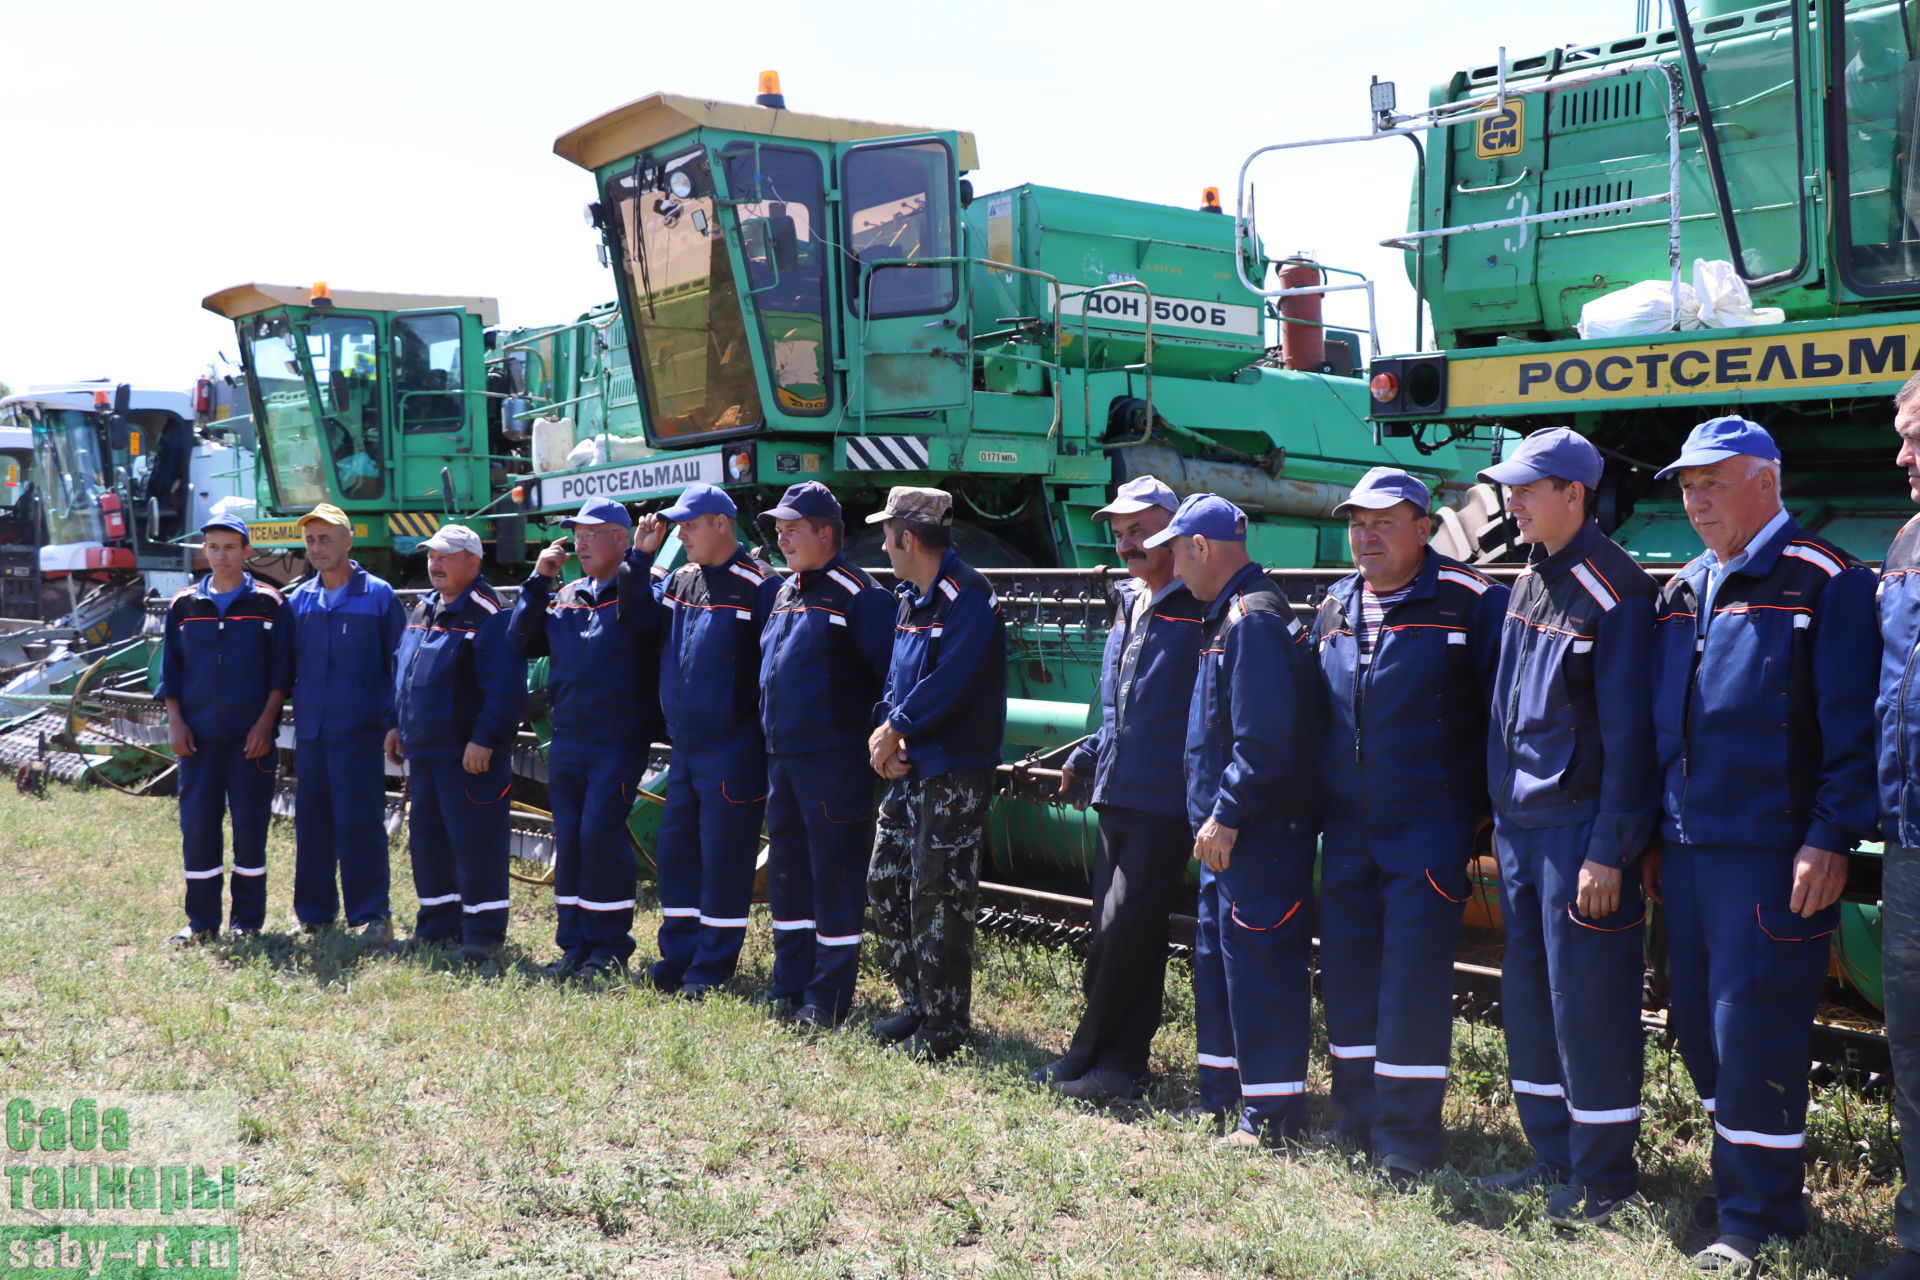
339	828
709	842
218	779
1391	895
1570	995
591	788
1252	997
1900	960
457	835
819	839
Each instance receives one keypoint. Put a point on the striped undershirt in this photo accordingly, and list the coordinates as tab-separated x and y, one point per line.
1373	616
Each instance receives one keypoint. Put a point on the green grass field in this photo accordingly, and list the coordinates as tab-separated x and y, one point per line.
406	1120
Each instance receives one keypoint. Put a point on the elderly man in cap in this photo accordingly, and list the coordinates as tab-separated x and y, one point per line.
1570	760
1898	713
941	716
1133	765
1406	645
1253	732
226	666
346	630
716	606
1764	658
460	690
603	674
823	657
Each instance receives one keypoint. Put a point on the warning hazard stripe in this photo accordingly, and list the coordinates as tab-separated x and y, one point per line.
412	524
886	453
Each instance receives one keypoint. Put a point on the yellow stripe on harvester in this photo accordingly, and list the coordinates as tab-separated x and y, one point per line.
412	524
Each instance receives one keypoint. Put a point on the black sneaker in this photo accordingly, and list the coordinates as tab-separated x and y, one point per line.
1730	1255
1402	1172
1102	1084
659	980
377	933
608	970
415	945
191	937
811	1017
898	1027
1536	1176
563	968
1056	1073
1573	1206
475	953
695	991
931	1046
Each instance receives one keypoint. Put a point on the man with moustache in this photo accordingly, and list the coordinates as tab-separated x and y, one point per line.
460	692
715	607
823	658
1133	765
603	691
226	666
1764	659
346	629
1406	644
1253	729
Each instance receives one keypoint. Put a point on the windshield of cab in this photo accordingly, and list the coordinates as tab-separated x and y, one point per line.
66	447
315	385
690	346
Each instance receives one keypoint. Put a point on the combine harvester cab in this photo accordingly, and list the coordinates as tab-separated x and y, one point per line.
1756	150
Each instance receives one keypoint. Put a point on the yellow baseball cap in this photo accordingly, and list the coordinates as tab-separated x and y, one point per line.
328	512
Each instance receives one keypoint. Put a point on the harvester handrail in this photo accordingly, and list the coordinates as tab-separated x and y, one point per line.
1086	354
1389	124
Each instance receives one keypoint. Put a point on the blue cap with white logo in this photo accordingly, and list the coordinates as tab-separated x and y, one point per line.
1560	453
1385	487
600	511
1718	439
808	498
232	524
1207	515
1137	495
701	499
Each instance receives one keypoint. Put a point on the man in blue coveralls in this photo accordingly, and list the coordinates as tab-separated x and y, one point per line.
715	607
226	667
1252	801
460	693
1898	713
822	660
1407	645
1570	763
346	631
1765	654
602	689
937	742
1133	763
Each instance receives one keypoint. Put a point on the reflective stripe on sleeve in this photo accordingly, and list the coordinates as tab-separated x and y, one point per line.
1619	1115
626	905
1401	1072
1350	1050
249	871
475	909
1215	1060
442	900
1539	1090
792	926
837	939
1750	1138
719	922
1281	1090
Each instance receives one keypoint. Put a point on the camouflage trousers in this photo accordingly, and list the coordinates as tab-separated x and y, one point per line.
924	882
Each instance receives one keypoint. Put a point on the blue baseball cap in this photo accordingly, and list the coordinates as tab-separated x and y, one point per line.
600	511
701	499
1718	439
1385	487
1561	453
1207	515
1137	495
232	524
808	498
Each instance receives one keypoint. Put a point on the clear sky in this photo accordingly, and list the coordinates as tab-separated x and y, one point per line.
153	153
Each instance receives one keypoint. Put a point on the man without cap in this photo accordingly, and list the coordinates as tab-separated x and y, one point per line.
1253	729
1406	644
1570	763
460	690
1898	714
603	664
226	666
346	630
941	716
1764	660
823	658
1133	764
716	606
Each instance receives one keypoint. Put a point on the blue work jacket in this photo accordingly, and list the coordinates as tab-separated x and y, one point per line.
1898	708
710	649
223	667
343	658
823	659
458	679
1146	688
946	689
1405	730
603	661
1572	733
1258	713
1763	726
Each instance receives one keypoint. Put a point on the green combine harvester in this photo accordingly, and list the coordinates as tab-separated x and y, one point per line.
1774	139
